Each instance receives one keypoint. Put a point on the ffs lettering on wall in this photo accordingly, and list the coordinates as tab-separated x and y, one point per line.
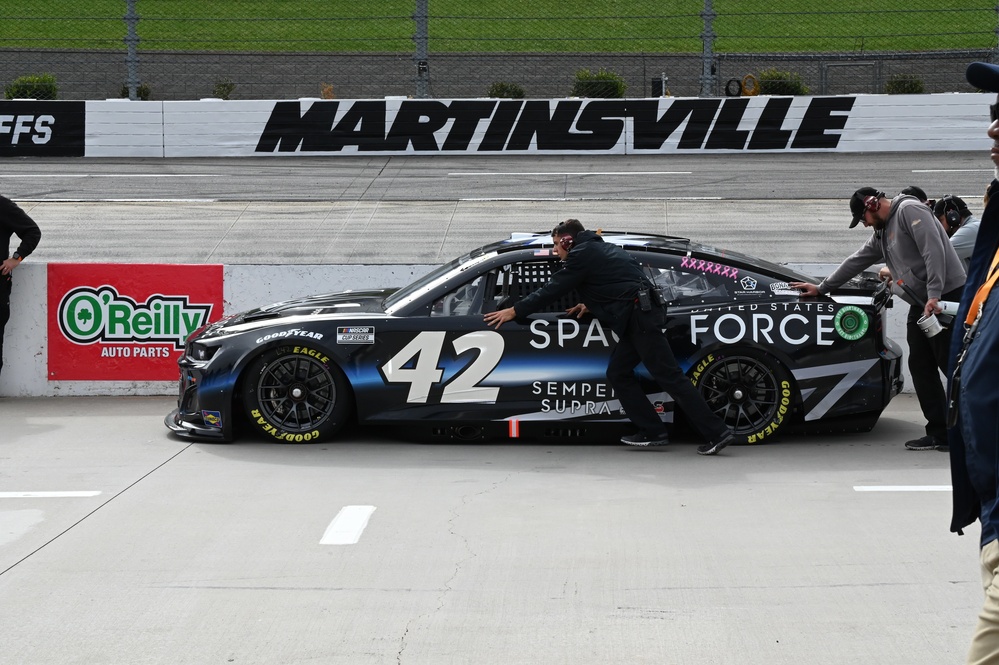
126	322
42	129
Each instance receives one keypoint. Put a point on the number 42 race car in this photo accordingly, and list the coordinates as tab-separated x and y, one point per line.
765	359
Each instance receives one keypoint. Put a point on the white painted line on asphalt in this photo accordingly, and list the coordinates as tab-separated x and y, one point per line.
348	525
118	200
523	173
35	176
952	170
902	488
47	495
593	198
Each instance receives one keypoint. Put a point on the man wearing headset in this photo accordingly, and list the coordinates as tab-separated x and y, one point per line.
917	251
960	224
615	289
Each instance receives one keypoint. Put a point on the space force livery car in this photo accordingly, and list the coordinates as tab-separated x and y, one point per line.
764	358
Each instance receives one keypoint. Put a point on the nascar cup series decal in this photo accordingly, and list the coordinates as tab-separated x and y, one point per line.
355	335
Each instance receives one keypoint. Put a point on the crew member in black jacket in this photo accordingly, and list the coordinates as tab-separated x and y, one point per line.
13	221
609	282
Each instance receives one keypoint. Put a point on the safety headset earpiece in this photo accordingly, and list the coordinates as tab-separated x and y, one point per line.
566	242
951	212
873	202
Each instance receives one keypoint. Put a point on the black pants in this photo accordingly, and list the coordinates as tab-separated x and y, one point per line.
5	284
928	356
644	341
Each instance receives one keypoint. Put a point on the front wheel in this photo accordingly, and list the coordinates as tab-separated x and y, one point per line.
749	391
295	395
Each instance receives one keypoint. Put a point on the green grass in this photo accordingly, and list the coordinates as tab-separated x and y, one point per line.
651	26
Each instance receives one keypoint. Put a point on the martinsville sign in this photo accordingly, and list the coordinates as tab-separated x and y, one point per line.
216	128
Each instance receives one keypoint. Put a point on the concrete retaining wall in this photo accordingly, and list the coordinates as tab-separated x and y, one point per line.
245	286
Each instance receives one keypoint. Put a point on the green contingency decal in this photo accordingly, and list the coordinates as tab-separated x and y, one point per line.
851	323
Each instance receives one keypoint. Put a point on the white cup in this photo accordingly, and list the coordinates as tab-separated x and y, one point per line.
929	325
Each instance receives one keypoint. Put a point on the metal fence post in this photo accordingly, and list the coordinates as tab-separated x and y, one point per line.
422	38
132	49
708	51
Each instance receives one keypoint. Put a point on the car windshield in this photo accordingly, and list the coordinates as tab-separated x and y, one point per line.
420	283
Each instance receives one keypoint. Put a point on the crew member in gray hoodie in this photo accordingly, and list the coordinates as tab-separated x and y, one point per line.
918	252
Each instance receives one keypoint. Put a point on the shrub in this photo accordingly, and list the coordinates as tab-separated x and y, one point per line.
31	86
904	84
505	90
141	91
600	84
776	82
223	88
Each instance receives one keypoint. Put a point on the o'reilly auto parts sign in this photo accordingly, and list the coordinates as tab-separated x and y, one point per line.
42	129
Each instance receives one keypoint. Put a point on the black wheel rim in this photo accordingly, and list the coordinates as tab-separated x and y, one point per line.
743	392
296	393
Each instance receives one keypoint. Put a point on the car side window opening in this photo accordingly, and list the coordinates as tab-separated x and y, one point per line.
466	300
688	286
500	288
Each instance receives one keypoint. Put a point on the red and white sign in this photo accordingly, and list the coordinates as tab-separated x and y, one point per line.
126	322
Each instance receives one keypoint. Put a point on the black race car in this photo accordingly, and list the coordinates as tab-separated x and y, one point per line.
421	356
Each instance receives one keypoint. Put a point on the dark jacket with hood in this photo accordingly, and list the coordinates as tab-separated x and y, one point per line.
13	220
974	442
606	277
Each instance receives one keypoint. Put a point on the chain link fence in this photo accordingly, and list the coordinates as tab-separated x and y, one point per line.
252	49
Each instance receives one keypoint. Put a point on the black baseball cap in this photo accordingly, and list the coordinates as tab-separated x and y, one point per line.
983	76
857	203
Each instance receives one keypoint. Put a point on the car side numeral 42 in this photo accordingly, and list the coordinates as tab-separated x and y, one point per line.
426	349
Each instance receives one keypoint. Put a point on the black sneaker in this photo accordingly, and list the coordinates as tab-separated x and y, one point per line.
715	446
642	439
928	442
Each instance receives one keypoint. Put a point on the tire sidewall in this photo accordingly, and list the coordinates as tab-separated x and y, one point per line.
768	430
258	420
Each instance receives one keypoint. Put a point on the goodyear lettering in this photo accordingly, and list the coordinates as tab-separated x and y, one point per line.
294	332
564	125
306	351
87	315
36	129
281	435
782	409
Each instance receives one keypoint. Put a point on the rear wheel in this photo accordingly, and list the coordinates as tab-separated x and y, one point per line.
294	395
749	391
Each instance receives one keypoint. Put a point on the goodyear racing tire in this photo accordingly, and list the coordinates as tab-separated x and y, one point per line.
295	394
750	391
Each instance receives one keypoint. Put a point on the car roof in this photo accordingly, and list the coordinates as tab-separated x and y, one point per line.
650	242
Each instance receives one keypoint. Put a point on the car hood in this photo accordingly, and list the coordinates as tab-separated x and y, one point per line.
318	305
345	303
